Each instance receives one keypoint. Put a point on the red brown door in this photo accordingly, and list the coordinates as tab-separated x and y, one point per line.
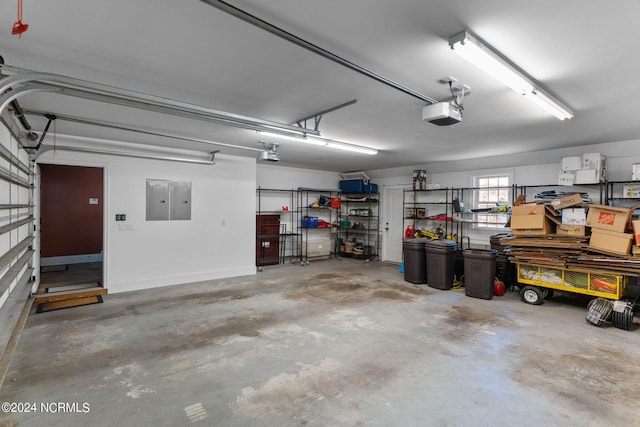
71	210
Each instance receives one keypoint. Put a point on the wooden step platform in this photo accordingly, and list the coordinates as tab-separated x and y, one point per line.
66	297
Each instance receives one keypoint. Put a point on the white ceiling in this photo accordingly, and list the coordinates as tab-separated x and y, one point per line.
584	52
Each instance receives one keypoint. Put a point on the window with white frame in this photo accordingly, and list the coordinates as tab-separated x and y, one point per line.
492	198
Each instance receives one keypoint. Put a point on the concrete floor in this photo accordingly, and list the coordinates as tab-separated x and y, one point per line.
339	343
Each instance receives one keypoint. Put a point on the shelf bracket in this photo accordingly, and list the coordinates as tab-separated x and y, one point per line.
318	116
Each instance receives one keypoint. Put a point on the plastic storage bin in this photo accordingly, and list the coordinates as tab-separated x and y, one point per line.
415	261
310	222
357	186
371	188
479	272
441	262
352	185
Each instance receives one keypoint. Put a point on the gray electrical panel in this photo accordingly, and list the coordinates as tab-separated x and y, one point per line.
180	200
158	197
168	200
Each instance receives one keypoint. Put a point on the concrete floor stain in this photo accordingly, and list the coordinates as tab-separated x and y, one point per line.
312	385
463	314
352	344
354	288
589	381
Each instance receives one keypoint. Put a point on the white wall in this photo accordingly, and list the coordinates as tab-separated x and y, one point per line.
537	168
620	155
281	177
218	242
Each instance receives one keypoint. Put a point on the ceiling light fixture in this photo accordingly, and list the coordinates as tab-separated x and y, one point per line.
330	143
300	138
495	64
348	147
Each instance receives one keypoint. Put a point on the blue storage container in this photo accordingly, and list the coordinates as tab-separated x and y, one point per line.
357	186
371	188
352	185
310	222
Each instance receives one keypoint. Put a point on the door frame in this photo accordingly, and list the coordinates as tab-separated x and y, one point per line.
38	214
386	203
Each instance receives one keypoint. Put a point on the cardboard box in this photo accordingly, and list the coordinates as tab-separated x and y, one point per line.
574	216
565	202
594	161
635	172
636	231
587	176
609	218
571	163
592	170
553	215
611	241
631	191
567	178
571	230
530	220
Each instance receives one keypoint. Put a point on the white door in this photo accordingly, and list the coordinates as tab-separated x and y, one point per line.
392	223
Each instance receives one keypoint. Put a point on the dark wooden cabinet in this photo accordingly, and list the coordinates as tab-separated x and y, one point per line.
267	239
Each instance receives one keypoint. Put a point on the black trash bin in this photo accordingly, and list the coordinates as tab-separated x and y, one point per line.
459	271
505	270
415	261
479	272
441	263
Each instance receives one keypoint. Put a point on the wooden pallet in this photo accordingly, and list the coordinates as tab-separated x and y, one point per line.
68	298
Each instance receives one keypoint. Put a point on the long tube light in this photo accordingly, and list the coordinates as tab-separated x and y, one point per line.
495	64
329	143
209	161
546	102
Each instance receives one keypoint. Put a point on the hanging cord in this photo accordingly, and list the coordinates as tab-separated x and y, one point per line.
18	26
54	137
457	100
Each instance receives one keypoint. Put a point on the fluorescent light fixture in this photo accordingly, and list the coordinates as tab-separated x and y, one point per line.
299	138
547	103
350	147
493	63
330	143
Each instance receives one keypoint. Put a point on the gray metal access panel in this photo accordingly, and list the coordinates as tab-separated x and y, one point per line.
168	200
180	200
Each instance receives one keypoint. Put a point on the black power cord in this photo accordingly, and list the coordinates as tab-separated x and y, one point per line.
456	102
